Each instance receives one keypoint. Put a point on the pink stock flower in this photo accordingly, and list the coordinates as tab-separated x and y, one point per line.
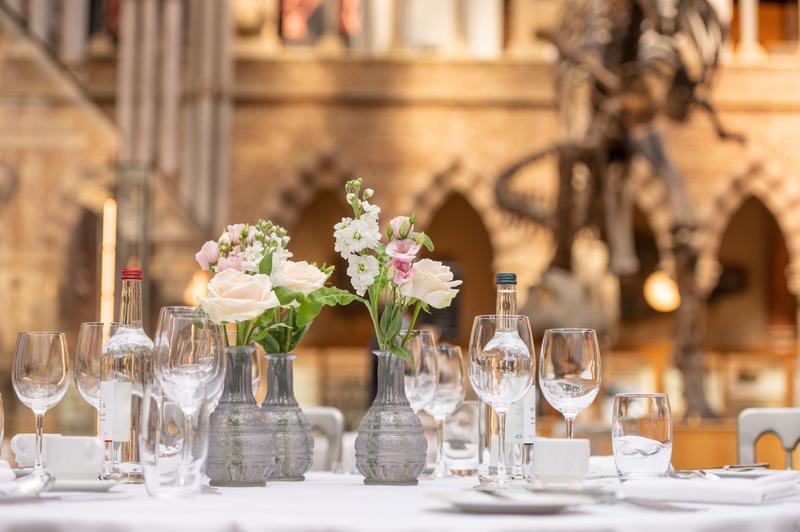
208	255
231	262
402	271
401	226
403	250
235	232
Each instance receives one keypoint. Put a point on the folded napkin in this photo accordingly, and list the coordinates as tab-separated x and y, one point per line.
6	473
723	491
602	467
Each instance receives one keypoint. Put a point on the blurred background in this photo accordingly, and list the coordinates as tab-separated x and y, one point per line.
133	130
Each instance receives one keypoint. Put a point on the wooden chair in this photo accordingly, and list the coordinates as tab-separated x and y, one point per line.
755	422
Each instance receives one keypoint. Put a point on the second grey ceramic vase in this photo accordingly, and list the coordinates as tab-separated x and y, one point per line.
391	446
239	443
292	440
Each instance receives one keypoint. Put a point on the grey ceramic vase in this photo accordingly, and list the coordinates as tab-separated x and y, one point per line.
292	440
239	443
390	447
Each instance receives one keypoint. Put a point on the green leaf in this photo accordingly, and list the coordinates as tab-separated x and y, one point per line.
286	295
330	296
391	322
269	344
265	266
402	353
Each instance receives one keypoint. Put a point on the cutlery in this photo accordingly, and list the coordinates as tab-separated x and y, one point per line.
602	497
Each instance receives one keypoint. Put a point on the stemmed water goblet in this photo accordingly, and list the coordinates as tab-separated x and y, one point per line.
570	371
449	395
188	357
420	377
40	378
88	358
501	369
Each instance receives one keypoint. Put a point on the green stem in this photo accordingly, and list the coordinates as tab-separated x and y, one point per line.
411	323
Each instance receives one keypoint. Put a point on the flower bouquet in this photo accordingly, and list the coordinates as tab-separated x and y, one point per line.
272	301
390	448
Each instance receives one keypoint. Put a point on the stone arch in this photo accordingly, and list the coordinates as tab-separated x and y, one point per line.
778	191
517	246
285	205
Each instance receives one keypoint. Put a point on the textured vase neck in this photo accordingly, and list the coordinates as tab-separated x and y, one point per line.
280	380
391	380
238	375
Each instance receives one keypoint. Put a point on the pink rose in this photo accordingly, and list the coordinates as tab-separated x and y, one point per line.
402	271
208	255
235	232
231	262
403	250
401	226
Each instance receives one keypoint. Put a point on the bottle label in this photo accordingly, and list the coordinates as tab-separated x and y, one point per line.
515	423
115	411
529	416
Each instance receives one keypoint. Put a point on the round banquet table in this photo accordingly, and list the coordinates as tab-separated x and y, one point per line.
330	502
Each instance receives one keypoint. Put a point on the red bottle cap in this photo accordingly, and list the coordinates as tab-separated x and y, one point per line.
131	274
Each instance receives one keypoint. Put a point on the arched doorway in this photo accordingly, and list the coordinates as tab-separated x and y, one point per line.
462	240
751	312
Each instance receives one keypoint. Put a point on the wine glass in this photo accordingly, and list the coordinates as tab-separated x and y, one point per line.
88	357
501	368
187	355
569	371
40	378
420	377
449	395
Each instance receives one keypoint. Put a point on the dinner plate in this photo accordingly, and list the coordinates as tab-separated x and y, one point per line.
744	473
513	502
83	485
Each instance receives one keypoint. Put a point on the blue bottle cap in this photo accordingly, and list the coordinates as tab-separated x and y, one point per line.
505	278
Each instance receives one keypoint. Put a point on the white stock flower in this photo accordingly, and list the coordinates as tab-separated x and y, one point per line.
234	296
354	236
252	256
303	277
370	210
362	270
432	283
280	257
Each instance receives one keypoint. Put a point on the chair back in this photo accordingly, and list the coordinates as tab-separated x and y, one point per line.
755	422
330	422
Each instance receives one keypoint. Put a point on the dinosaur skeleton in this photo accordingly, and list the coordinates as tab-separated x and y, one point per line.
623	64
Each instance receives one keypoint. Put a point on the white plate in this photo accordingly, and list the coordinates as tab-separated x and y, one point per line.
513	502
746	473
83	485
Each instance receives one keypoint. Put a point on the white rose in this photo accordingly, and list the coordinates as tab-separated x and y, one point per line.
302	277
234	296
432	283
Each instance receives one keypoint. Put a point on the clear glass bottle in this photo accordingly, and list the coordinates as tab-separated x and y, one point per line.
126	369
521	417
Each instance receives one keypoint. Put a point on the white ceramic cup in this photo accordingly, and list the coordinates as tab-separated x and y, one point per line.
560	461
65	457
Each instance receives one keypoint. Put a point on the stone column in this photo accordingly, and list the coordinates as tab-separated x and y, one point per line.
483	27
749	49
377	27
170	87
520	41
39	13
126	75
145	146
74	30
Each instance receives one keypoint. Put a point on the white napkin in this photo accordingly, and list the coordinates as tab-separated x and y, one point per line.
723	491
602	467
6	473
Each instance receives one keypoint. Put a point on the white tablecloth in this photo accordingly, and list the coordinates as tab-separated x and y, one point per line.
330	503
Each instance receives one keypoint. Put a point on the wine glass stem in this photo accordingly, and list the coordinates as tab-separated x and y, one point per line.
441	469
188	437
38	467
570	421
501	451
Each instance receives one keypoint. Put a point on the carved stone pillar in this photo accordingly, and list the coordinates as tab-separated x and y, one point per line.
749	49
74	30
483	25
331	40
39	13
